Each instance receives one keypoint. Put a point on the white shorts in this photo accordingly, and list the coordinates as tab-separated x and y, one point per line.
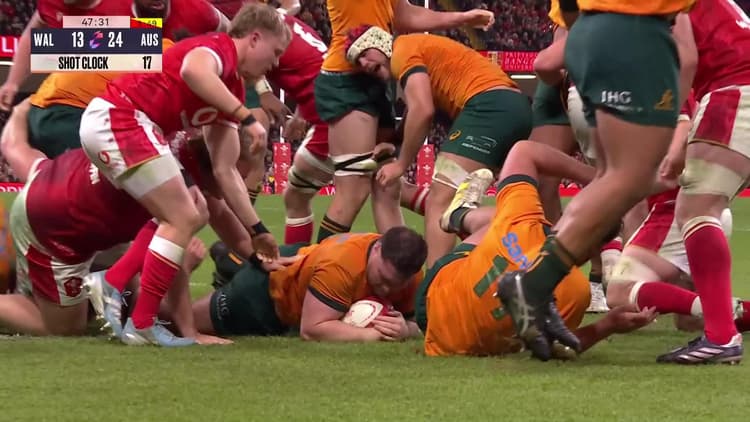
38	272
579	125
117	139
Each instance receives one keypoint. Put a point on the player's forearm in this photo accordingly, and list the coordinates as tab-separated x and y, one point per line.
21	60
338	331
593	333
228	227
414	330
179	305
552	162
234	192
550	62
688	55
416	129
410	18
209	87
14	142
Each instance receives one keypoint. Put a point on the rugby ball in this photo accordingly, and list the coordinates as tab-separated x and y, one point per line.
363	312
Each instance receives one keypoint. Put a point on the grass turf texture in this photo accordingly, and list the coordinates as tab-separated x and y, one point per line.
284	379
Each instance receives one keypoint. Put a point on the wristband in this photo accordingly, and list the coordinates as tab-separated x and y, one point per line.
247	121
258	228
262	86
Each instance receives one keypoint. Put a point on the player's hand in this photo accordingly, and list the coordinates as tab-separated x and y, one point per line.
626	318
390	173
479	18
276	110
265	247
280	263
393	326
383	150
8	93
195	253
672	165
207	340
257	137
295	128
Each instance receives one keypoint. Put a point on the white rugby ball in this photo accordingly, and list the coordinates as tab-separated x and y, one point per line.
363	312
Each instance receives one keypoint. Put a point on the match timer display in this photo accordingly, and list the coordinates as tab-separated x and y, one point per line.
98	44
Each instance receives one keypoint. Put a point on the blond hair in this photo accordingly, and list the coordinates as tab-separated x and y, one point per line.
255	16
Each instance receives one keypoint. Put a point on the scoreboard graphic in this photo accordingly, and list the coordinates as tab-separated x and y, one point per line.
98	44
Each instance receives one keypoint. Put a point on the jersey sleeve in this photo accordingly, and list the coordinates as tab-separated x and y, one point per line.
47	13
209	17
406	60
332	284
405	303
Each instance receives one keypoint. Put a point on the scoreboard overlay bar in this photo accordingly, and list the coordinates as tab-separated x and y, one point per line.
133	63
98	44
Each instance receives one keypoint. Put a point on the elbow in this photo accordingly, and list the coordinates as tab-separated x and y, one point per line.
223	174
547	70
423	113
307	333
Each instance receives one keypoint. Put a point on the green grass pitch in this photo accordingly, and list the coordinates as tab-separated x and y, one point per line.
284	379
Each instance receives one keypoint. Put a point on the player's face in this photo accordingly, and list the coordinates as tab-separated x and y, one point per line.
151	8
382	276
375	63
261	54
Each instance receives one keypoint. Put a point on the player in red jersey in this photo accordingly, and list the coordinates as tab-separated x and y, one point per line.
192	16
68	213
717	166
311	169
122	132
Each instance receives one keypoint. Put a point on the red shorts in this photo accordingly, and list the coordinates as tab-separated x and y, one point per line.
318	143
659	233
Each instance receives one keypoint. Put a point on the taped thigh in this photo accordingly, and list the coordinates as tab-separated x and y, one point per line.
306	183
149	175
704	177
354	164
448	172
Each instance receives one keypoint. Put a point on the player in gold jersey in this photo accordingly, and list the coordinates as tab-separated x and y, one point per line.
632	99
355	105
488	110
456	306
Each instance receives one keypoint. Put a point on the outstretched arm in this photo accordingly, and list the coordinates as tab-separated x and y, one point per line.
411	18
534	159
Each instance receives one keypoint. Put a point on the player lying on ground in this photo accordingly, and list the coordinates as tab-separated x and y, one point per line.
317	288
179	16
66	213
200	87
456	304
488	110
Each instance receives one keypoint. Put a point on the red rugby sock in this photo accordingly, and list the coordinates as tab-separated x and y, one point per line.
131	262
